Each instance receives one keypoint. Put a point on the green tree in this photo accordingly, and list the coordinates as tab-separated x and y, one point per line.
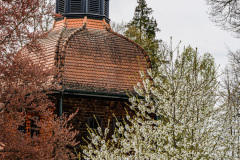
142	29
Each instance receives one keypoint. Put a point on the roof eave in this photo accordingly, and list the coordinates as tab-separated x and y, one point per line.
94	94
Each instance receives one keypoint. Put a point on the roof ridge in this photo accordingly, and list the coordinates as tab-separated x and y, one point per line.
137	45
70	37
106	25
63	51
56	51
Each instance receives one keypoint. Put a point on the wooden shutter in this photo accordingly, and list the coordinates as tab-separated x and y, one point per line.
61	6
76	6
94	6
106	3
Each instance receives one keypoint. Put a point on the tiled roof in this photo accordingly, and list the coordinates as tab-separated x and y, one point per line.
91	57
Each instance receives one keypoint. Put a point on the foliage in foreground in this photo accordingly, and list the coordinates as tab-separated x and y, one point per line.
175	117
25	106
26	110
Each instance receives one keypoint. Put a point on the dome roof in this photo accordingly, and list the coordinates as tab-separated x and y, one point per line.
90	57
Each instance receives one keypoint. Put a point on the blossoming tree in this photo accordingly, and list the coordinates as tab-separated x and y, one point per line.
175	111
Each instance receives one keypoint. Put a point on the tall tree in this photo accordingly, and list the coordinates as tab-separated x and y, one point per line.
143	29
226	13
230	117
174	119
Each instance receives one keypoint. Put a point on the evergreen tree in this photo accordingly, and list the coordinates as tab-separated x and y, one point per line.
142	29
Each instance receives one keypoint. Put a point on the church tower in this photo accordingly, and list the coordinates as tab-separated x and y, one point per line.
95	66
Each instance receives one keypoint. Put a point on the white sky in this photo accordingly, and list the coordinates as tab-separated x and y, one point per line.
185	20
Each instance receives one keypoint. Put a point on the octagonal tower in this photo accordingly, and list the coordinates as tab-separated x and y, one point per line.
97	9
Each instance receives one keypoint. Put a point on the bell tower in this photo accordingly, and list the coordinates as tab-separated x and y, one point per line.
93	9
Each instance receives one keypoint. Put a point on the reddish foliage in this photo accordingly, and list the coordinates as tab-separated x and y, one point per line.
23	21
25	87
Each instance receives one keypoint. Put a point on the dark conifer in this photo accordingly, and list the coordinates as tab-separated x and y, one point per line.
143	28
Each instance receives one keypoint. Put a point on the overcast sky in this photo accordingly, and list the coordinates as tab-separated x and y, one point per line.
185	20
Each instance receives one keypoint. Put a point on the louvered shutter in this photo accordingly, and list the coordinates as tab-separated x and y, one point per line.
106	4
61	6
76	6
94	6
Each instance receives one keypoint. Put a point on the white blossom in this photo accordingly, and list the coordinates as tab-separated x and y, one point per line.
182	97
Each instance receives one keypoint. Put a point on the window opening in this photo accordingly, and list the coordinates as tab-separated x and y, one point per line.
34	127
22	128
93	124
